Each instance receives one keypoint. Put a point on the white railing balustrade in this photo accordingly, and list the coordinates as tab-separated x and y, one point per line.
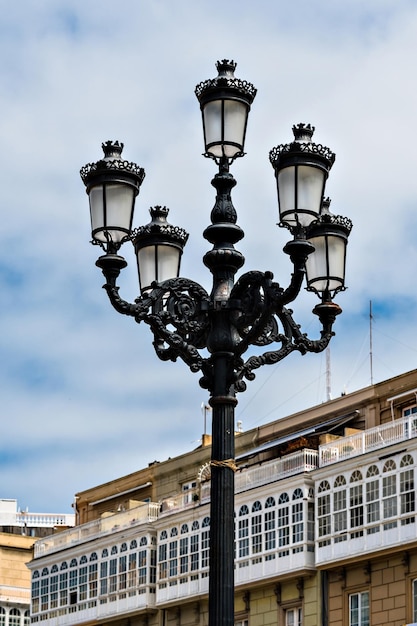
298	462
304	460
43	520
367	542
181	587
146	512
99	609
24	519
370	439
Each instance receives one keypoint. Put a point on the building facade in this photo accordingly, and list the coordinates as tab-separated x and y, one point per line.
15	552
18	533
325	528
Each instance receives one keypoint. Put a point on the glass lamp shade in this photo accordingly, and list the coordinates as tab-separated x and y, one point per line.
301	170
158	247
112	185
325	267
111	210
225	103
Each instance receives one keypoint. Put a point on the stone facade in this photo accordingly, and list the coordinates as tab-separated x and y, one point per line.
18	532
15	552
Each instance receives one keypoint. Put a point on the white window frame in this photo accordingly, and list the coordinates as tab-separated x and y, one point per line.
188	492
294	616
356	613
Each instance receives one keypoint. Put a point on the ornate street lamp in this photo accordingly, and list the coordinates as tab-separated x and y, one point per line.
225	104
187	322
325	267
158	247
112	186
301	170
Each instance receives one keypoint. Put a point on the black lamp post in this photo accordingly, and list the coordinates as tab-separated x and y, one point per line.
212	332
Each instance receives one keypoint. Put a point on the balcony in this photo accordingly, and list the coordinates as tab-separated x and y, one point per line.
100	609
182	587
298	462
145	513
373	539
370	505
368	440
250	570
281	562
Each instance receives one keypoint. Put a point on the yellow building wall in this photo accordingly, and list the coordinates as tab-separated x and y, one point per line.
267	603
263	607
312	601
15	552
389	582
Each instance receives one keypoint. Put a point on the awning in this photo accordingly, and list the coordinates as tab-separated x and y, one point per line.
327	427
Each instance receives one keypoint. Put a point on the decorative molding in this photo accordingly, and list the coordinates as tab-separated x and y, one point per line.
405	562
300	587
246	600
197	612
367	570
277	591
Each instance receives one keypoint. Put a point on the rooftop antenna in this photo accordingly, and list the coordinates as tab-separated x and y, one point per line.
204	408
371	317
328	375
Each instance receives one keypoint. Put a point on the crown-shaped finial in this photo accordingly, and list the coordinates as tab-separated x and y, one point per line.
303	132
159	213
226	67
112	149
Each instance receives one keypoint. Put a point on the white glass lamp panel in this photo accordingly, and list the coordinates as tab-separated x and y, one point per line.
212	113
286	194
235	114
119	209
111	208
325	267
146	267
336	254
97	212
316	265
168	262
309	193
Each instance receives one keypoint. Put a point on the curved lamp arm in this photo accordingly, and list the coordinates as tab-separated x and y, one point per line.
180	316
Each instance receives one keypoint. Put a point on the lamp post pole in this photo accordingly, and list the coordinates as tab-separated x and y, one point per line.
252	312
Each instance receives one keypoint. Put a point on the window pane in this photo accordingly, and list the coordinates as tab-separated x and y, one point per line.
414	600
359	609
293	617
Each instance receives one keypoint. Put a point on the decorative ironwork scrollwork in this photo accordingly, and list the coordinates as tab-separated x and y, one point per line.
179	312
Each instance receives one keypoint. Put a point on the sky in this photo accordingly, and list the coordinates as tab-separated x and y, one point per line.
83	397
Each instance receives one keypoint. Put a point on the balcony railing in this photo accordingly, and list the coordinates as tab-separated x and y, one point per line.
48	520
263	566
91	611
273	564
36	520
368	440
147	512
298	462
304	460
182	587
369	539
